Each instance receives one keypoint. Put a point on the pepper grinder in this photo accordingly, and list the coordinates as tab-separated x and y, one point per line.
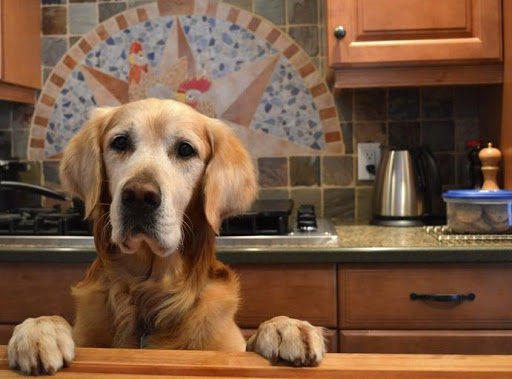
490	158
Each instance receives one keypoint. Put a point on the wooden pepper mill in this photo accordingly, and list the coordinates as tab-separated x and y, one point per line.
490	158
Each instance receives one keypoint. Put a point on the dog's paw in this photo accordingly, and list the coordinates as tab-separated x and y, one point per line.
289	339
41	345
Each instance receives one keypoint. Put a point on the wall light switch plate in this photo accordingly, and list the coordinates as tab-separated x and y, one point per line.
368	158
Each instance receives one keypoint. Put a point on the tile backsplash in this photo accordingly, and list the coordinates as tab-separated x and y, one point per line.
440	117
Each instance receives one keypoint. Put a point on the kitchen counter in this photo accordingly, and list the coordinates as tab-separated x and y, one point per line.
356	243
117	363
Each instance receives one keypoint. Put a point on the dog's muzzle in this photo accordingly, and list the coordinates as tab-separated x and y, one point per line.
140	201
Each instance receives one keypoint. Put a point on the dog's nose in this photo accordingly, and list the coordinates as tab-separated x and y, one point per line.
141	195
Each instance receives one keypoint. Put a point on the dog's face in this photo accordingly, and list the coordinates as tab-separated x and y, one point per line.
153	156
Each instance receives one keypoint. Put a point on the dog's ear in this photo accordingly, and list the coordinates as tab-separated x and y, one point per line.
81	168
230	183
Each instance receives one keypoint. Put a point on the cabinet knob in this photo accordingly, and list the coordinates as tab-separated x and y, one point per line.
340	32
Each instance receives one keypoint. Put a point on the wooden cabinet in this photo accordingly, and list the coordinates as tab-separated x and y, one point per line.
506	104
301	291
426	341
20	50
415	42
378	314
306	292
365	308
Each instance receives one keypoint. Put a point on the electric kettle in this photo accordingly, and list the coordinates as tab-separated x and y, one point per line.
407	188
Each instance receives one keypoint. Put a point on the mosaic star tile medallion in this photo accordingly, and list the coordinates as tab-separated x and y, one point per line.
223	61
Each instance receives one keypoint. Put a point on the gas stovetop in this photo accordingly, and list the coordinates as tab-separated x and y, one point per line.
268	223
44	222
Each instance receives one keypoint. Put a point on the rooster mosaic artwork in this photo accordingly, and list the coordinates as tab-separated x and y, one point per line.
223	61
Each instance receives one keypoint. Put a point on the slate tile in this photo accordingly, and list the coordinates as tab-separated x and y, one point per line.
339	204
305	171
404	135
272	10
273	172
306	37
438	135
53	49
82	18
54	20
364	196
302	11
403	104
466	101
437	102
370	104
108	10
337	170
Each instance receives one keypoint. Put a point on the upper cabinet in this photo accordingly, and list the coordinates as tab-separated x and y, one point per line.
414	42
20	50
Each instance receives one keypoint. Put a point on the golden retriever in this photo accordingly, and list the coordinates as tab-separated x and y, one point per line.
157	178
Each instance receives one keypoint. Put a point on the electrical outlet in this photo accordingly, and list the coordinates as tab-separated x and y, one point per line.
368	158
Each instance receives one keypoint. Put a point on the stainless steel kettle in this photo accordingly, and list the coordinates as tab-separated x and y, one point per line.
407	184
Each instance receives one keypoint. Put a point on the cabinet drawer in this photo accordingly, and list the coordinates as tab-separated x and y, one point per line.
378	297
38	289
426	342
306	292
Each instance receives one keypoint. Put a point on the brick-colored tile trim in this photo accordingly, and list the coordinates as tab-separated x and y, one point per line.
142	14
37	143
318	90
121	22
57	80
290	51
254	24
102	32
41	121
327	113
332	137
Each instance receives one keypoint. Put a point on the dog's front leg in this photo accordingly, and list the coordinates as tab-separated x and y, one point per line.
289	339
41	345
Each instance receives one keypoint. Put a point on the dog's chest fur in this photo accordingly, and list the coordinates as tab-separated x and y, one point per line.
167	313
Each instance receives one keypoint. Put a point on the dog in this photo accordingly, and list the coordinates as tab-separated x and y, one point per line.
157	178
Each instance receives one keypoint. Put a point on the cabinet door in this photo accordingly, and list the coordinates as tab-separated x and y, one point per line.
21	43
414	31
426	342
306	292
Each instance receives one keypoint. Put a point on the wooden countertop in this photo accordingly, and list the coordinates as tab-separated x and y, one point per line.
127	363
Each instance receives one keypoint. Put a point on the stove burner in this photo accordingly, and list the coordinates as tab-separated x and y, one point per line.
266	217
44	221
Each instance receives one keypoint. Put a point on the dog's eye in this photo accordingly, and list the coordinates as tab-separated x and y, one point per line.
185	150
120	143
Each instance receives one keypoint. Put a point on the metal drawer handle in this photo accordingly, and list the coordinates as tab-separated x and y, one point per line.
453	298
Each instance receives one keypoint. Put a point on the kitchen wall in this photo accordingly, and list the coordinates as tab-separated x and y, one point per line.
440	117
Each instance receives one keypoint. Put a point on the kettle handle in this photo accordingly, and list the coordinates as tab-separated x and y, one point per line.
419	169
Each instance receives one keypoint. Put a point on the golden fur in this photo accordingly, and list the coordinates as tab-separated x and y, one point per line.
165	288
179	300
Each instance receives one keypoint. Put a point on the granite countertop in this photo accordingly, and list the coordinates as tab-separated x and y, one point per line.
356	243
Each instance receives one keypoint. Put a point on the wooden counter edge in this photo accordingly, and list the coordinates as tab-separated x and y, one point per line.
147	363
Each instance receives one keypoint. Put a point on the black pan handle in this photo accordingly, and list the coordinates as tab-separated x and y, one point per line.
446	298
34	189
